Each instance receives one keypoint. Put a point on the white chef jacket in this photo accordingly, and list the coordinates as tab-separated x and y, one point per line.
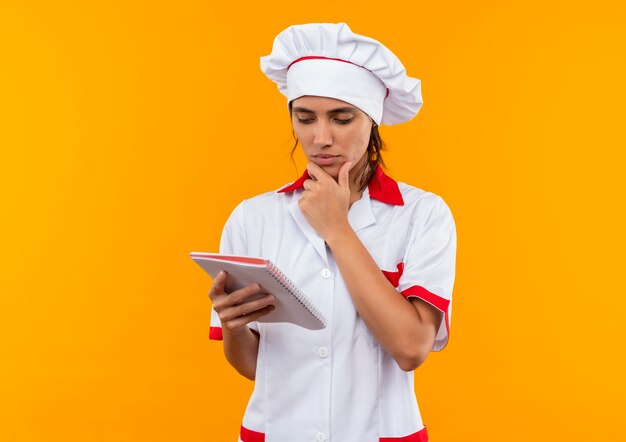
338	384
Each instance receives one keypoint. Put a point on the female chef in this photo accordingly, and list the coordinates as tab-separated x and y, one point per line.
377	257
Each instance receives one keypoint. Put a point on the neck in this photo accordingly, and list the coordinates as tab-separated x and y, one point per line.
356	174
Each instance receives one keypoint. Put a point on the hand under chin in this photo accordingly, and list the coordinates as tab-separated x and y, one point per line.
332	170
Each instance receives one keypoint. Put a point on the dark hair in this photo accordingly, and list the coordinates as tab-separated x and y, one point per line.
374	158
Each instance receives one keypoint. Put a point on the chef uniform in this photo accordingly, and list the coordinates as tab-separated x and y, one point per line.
338	384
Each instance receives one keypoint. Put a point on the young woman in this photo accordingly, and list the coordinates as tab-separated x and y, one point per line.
377	257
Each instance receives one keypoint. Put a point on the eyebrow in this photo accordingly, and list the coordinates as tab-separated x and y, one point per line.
338	110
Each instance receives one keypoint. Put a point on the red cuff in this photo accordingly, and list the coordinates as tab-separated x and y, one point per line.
434	300
215	334
247	435
420	436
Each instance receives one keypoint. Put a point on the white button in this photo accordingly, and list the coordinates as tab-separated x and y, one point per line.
326	273
322	352
321	437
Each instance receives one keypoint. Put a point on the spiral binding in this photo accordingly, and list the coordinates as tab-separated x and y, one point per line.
283	280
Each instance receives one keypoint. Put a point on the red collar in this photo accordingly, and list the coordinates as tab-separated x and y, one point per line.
381	187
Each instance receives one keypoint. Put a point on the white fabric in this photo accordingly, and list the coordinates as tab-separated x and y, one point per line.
339	381
318	77
338	41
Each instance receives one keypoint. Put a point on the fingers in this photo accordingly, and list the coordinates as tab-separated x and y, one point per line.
343	178
308	184
236	309
234	298
311	169
310	188
239	296
240	301
221	299
246	310
317	173
218	286
242	320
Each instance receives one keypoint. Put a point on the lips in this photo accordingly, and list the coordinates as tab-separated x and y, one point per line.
325	159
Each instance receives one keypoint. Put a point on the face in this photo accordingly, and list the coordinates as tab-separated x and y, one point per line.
331	133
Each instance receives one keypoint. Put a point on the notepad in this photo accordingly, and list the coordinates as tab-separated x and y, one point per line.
292	305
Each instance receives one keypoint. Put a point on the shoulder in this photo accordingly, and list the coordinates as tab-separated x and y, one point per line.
271	198
255	221
267	202
422	202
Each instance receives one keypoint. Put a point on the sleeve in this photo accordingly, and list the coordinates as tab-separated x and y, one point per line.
232	242
429	264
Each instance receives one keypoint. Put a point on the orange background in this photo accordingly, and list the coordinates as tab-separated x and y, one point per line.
130	129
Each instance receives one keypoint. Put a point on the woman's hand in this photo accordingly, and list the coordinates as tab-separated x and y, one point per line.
234	311
325	202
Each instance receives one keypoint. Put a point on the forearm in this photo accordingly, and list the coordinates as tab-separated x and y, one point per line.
236	311
406	330
395	323
241	350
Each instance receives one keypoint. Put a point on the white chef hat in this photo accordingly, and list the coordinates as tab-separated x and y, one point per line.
329	60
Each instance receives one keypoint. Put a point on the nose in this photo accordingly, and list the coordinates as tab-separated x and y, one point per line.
322	134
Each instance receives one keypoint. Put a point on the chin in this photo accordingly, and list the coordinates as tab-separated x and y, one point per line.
333	171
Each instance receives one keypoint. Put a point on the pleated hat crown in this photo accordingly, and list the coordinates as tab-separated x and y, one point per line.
329	60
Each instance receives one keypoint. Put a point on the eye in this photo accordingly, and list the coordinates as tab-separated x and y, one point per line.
305	117
344	120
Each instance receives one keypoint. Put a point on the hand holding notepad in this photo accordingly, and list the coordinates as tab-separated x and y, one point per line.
292	305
